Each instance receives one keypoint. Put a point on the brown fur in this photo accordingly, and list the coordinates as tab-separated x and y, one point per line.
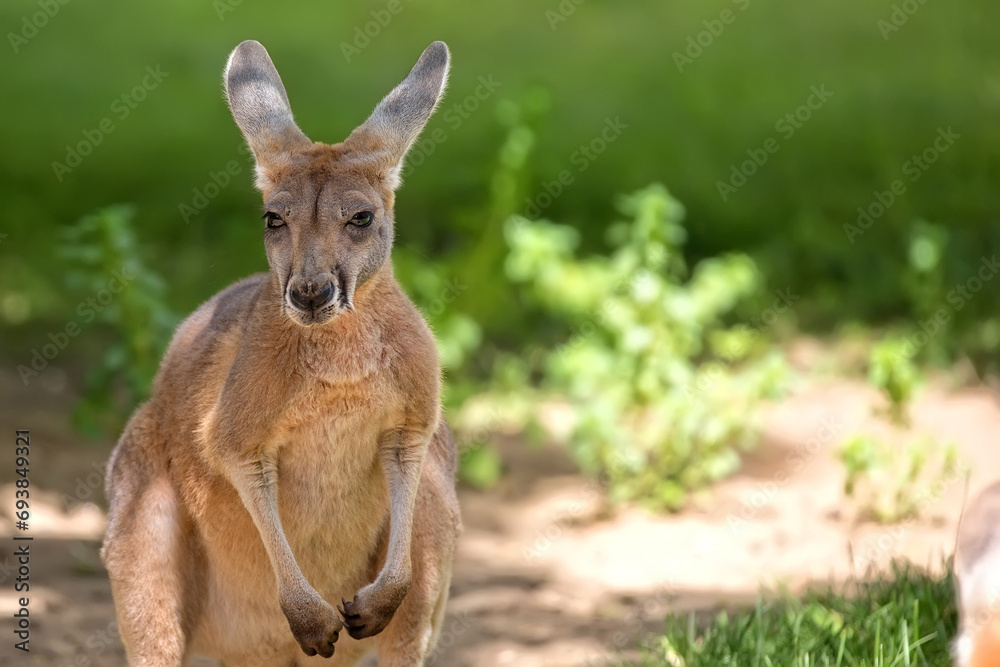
292	456
986	645
977	575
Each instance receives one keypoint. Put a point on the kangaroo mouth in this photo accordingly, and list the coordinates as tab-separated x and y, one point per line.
308	313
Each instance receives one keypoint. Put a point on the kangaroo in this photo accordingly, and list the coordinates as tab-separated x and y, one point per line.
293	450
977	572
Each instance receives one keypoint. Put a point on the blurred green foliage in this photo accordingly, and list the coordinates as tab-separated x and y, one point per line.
549	114
892	479
891	369
102	259
891	482
890	94
658	411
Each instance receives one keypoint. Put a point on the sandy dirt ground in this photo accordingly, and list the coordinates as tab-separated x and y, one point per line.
546	573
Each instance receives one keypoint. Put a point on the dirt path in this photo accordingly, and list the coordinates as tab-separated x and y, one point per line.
546	575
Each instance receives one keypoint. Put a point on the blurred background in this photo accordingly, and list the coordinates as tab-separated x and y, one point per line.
712	281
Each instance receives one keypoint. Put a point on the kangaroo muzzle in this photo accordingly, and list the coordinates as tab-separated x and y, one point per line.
311	296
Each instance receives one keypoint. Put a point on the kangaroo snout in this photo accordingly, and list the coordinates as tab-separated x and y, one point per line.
312	294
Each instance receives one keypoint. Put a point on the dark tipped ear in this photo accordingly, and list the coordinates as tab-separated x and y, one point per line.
260	106
398	119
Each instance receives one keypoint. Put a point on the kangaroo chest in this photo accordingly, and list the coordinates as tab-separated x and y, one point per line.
330	479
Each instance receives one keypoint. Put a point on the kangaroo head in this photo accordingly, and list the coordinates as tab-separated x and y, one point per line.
328	208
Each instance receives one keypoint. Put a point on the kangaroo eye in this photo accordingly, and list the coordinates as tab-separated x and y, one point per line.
273	220
362	218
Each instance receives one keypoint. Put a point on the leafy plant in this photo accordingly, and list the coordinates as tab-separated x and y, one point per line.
660	386
891	369
125	296
887	480
462	296
884	477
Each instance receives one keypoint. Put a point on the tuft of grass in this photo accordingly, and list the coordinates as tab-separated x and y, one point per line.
905	617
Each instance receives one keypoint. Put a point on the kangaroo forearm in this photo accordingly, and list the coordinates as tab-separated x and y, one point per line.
402	456
256	483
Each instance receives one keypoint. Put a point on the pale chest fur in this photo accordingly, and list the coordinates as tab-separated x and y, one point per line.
328	453
332	493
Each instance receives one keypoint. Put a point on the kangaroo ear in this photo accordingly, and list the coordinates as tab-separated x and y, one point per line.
398	119
260	107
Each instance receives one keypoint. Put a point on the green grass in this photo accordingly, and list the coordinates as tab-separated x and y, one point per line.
906	617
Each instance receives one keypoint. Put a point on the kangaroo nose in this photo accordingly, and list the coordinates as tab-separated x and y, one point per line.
309	298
